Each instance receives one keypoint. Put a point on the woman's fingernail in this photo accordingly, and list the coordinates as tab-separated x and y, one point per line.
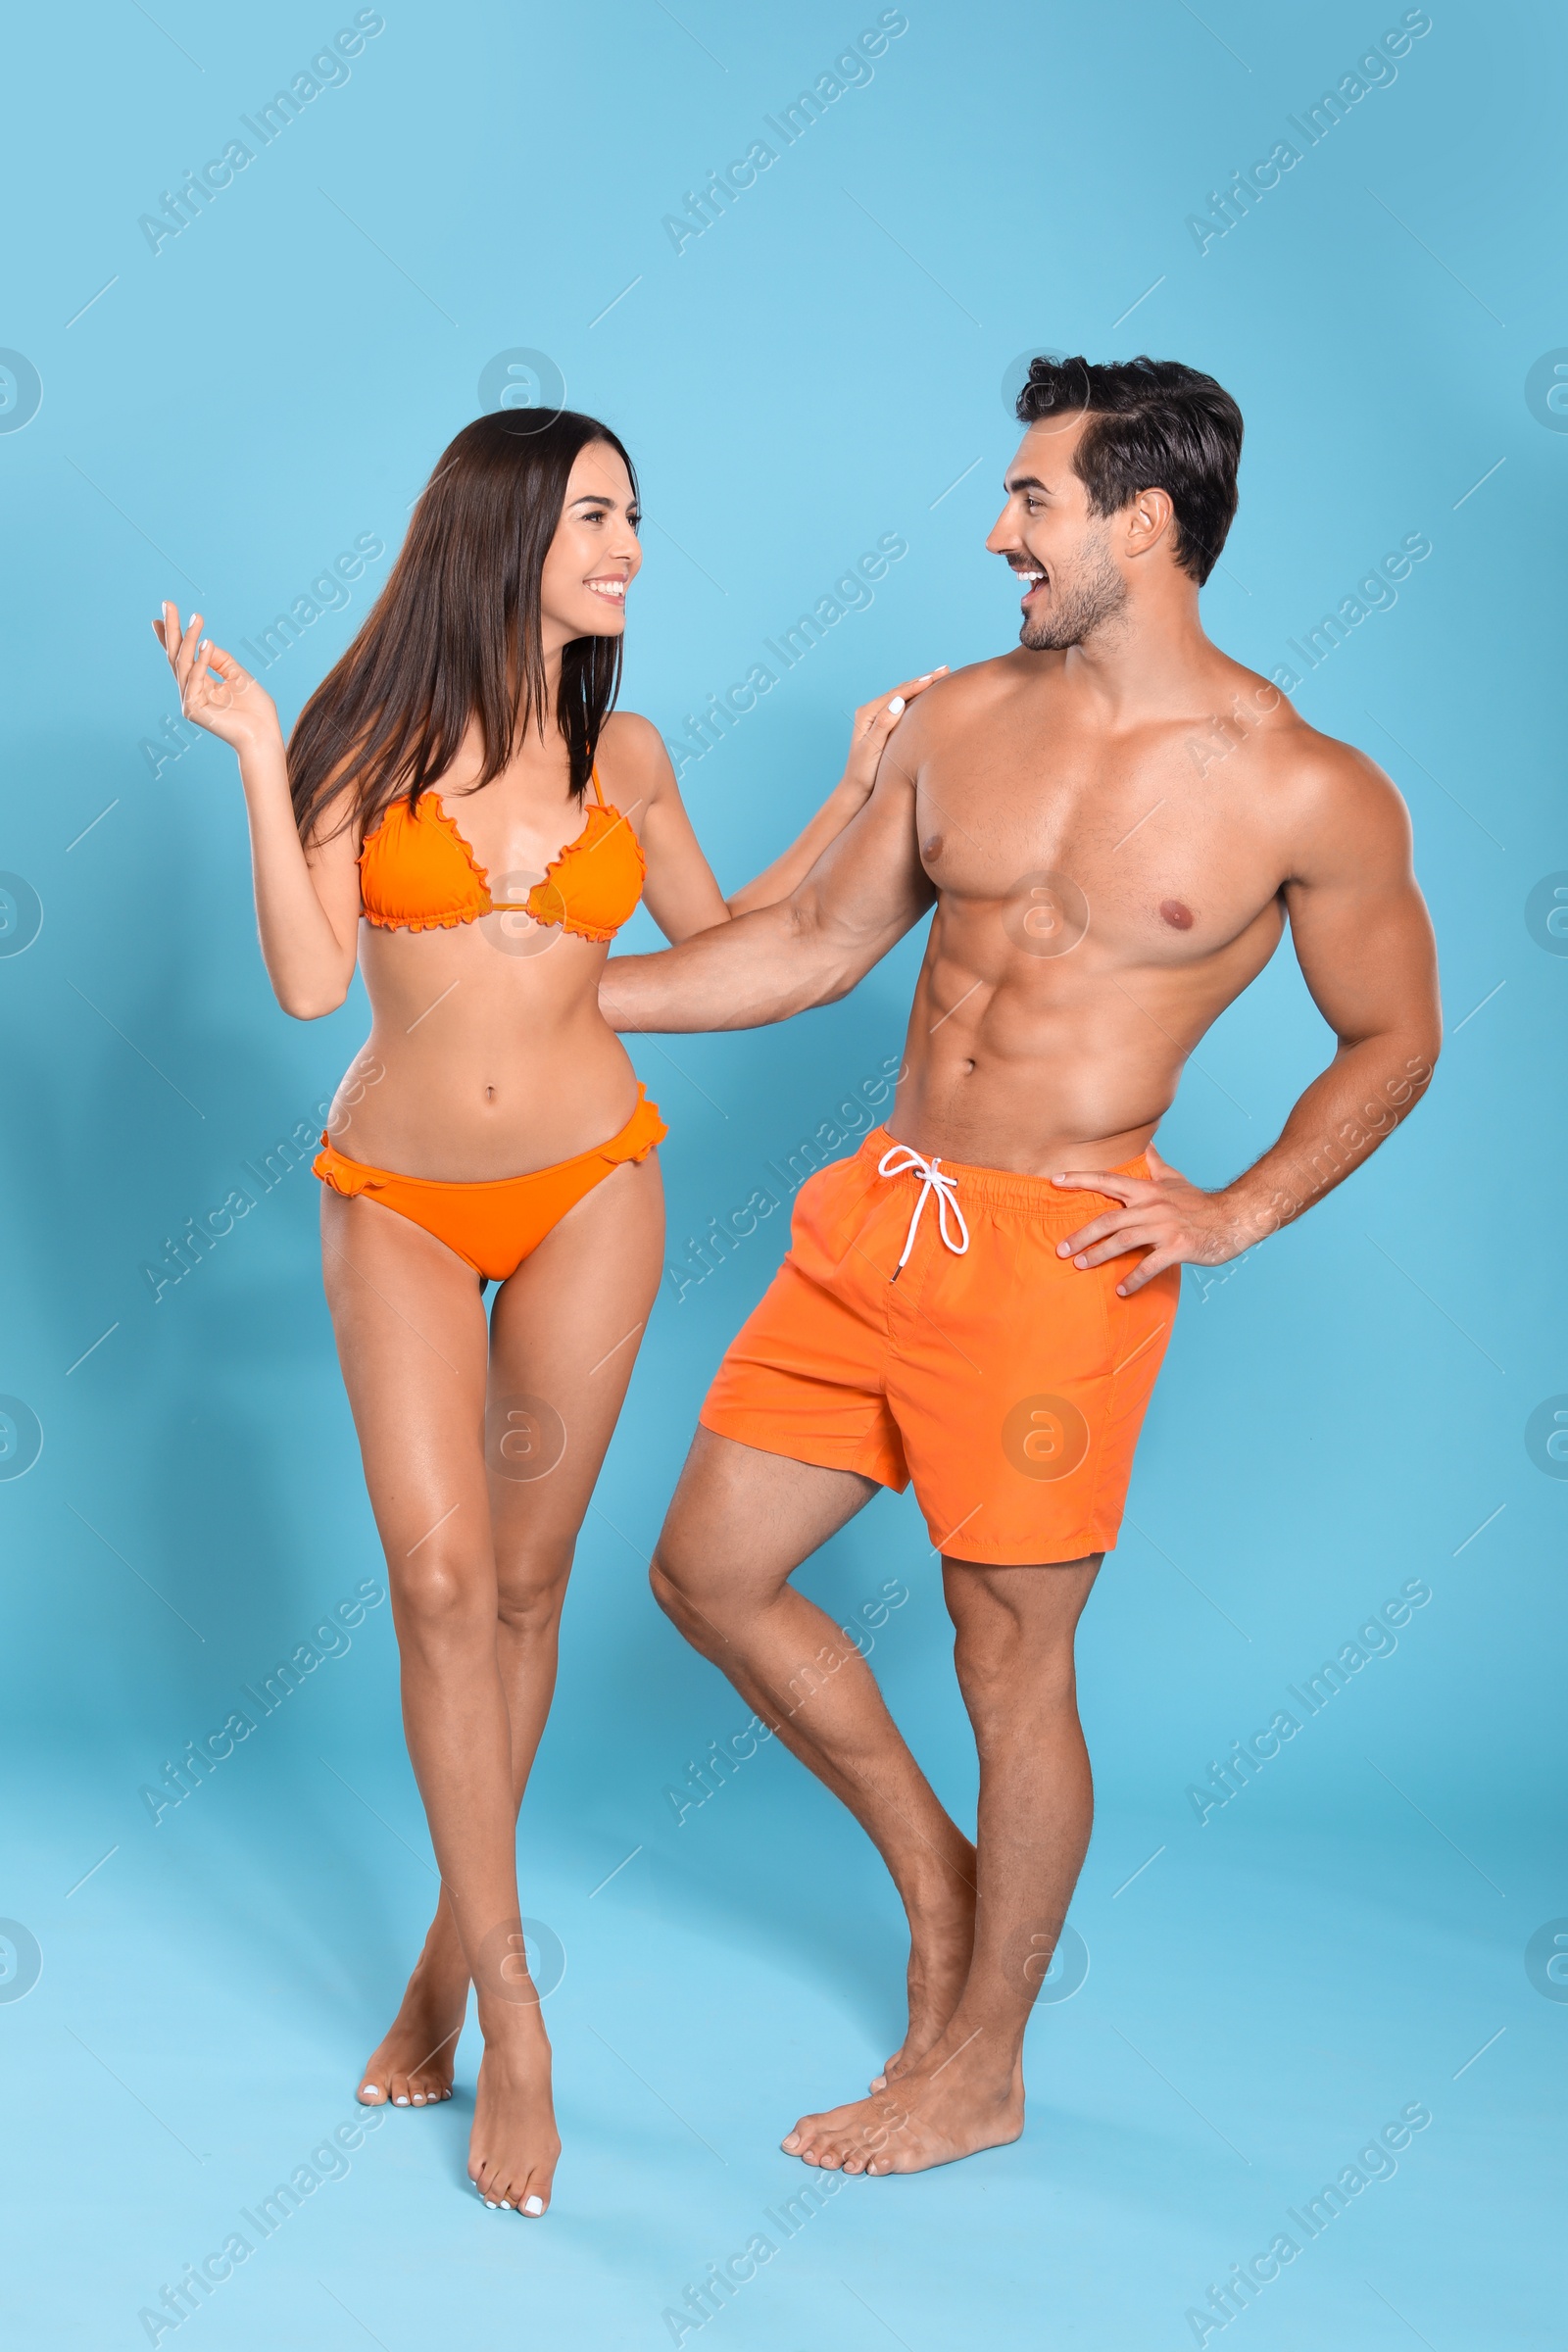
204	642
896	706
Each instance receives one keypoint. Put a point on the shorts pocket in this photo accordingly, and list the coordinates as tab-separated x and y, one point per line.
1069	1308
827	1216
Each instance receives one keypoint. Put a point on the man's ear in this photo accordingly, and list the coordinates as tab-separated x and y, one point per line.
1150	522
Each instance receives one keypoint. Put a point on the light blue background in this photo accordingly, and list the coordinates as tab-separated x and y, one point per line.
1339	1415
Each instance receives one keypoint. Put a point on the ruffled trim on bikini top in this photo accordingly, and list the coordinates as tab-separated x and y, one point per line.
417	872
593	887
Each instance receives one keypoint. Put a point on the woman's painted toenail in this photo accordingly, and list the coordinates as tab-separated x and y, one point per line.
401	2100
419	2098
533	2205
505	2204
490	2205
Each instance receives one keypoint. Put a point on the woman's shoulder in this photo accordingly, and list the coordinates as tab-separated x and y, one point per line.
629	728
631	748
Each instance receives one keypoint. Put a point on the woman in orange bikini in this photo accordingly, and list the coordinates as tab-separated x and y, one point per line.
459	813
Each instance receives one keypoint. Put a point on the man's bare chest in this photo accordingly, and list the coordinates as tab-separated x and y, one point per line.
1143	848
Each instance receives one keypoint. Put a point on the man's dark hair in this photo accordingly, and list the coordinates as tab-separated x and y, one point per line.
1156	425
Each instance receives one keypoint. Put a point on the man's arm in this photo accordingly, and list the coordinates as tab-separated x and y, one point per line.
1364	943
865	892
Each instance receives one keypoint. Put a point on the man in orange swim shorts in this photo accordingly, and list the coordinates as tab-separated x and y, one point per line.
1114	823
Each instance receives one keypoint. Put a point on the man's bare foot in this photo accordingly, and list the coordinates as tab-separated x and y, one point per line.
514	2147
930	2116
413	2066
941	1948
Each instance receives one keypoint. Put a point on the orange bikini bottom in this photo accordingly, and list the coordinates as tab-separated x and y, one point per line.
494	1226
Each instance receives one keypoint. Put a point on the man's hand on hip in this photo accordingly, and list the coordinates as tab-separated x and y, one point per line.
1160	1213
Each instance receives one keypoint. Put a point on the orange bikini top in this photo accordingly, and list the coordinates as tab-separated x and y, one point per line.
417	873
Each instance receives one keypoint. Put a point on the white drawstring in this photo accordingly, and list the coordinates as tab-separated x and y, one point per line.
902	1160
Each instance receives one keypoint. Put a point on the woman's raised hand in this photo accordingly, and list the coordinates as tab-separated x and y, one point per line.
874	723
215	692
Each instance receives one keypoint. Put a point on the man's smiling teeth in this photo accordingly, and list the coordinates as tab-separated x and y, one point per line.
1030	579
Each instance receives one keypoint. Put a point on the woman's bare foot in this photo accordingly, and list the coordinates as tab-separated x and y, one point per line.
932	2115
413	2065
941	1948
514	2147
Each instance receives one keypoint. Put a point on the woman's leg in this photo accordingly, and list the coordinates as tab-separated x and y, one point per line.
563	1337
413	1347
564	1334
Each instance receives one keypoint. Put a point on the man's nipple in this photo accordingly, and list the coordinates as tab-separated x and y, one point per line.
1172	911
931	847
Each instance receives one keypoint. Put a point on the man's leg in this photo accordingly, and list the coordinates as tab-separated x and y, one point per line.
739	1526
1014	1656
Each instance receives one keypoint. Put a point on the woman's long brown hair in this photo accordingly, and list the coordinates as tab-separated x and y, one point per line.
454	635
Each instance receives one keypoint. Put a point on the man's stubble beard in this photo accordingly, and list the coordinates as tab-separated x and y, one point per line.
1094	595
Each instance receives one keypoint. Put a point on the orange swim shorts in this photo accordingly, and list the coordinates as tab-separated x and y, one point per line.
1009	1385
